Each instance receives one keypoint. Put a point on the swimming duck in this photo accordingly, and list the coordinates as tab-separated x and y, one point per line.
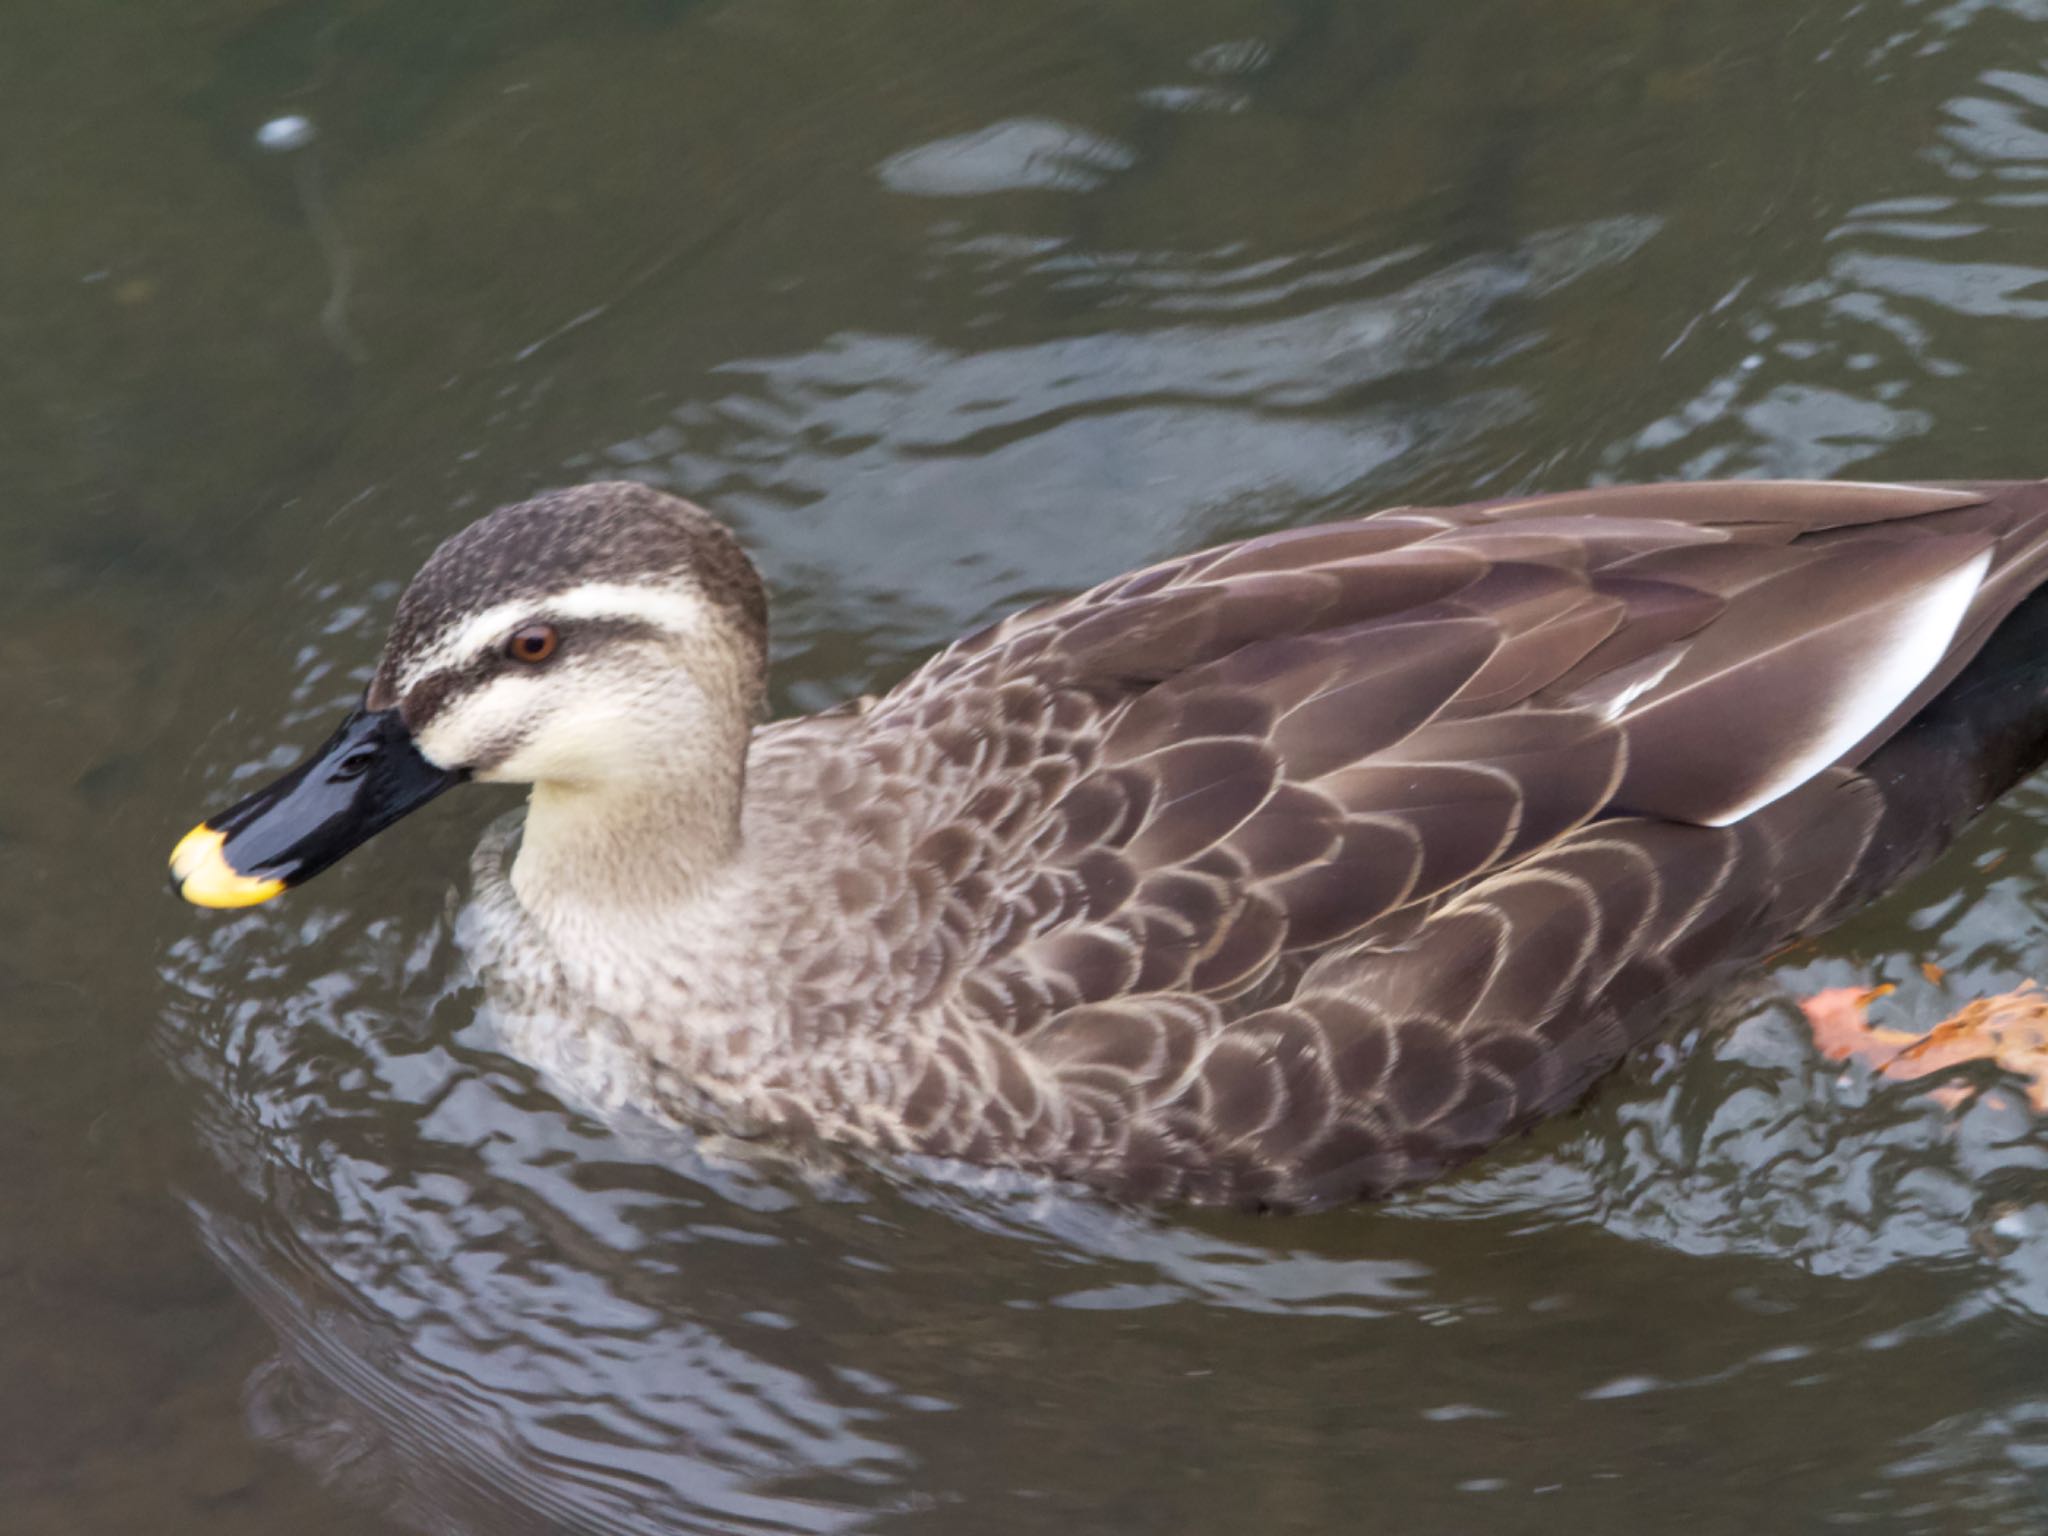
1292	871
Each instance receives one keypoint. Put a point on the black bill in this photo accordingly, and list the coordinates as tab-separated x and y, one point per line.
367	775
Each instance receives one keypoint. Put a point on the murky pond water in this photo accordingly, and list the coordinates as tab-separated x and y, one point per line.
946	306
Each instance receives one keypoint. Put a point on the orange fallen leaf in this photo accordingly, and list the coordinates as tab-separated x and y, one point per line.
1933	972
1841	1028
2010	1029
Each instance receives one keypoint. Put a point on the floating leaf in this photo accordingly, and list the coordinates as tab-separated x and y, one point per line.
2010	1030
1842	1029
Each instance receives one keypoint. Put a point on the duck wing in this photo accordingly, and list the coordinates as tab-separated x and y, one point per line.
1314	863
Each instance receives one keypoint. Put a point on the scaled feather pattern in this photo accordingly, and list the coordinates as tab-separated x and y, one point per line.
1308	867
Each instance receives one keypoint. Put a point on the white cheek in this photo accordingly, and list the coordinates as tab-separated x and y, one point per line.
571	726
581	742
469	726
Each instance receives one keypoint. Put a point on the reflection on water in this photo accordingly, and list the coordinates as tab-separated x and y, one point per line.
1006	157
1213	404
947	308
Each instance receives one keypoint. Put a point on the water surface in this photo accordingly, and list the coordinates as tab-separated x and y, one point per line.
946	308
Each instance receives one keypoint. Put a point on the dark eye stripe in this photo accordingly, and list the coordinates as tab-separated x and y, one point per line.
432	693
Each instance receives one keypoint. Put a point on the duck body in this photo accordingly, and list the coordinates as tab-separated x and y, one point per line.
1289	872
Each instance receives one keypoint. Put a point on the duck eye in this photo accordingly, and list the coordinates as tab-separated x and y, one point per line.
533	643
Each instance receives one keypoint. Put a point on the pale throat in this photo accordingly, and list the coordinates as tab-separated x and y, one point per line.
636	857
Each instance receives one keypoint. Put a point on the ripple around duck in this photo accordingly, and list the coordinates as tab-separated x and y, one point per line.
1878	334
1023	154
1238	384
474	1290
497	1313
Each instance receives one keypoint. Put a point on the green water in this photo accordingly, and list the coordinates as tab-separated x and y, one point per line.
946	306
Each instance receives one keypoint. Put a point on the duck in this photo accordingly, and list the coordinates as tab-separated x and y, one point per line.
1287	873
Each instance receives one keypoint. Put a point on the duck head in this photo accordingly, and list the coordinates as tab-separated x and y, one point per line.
606	644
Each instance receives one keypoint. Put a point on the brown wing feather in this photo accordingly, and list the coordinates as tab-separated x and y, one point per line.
1308	866
1300	662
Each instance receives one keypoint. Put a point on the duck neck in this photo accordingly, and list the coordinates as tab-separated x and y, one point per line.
622	862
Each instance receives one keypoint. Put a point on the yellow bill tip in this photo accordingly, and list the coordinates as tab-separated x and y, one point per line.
203	876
